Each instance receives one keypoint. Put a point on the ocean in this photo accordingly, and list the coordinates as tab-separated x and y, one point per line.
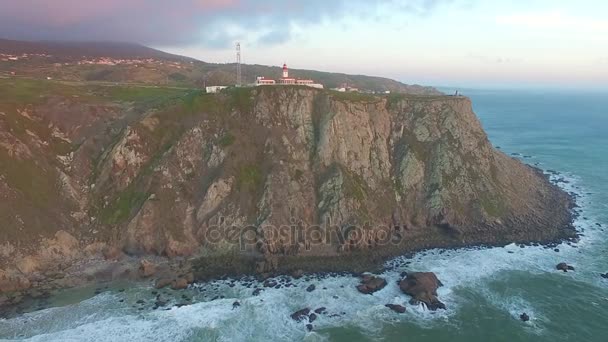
485	289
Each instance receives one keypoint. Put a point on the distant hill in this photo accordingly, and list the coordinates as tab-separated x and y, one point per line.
85	49
191	73
226	74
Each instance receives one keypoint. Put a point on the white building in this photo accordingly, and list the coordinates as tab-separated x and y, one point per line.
286	80
260	80
215	89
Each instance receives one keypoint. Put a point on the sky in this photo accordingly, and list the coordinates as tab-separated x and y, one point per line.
473	43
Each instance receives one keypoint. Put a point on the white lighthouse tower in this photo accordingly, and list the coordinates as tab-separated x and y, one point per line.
285	71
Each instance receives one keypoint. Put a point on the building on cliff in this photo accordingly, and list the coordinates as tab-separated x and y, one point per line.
214	89
286	80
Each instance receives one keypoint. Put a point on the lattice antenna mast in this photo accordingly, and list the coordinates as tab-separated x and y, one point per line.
238	65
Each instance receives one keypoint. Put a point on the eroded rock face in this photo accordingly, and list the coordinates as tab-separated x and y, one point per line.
422	286
271	174
13	281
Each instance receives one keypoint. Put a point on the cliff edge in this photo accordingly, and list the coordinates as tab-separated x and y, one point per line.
274	177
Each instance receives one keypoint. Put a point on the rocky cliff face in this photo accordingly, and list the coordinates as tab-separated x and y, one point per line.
272	174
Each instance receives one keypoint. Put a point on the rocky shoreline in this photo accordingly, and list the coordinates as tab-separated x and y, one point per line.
179	273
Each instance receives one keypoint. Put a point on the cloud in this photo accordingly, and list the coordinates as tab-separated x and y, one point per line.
213	23
554	20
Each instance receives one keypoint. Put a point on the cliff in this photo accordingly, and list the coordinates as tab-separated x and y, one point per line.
270	176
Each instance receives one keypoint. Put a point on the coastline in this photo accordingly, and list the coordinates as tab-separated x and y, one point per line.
237	265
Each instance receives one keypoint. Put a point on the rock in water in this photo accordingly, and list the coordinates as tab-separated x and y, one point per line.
562	266
396	307
422	286
370	284
299	315
605	275
320	310
524	317
310	288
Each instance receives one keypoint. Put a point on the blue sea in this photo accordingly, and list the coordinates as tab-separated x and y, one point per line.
486	290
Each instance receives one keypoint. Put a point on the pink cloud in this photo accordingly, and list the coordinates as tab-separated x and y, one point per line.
167	22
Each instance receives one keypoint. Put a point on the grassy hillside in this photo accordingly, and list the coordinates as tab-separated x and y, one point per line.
70	50
75	62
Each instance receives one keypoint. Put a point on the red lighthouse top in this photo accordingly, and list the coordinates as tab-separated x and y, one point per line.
284	66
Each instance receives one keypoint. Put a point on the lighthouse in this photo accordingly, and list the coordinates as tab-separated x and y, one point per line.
286	80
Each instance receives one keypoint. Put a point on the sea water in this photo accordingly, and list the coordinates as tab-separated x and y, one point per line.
485	290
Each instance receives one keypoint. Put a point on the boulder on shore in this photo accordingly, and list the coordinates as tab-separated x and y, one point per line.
562	266
370	284
146	268
422	286
179	284
163	282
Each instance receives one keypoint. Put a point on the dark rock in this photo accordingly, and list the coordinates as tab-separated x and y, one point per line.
605	275
256	292
562	266
297	274
312	317
141	301
236	304
524	317
270	283
422	286
370	284
300	314
309	327
320	310
396	307
310	288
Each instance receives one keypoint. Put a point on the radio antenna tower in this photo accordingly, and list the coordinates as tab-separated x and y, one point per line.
238	65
